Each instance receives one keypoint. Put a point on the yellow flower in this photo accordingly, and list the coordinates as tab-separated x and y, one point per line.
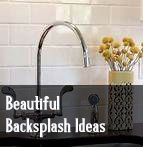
119	59
116	44
132	44
106	59
113	57
126	43
124	51
128	54
106	54
140	54
131	57
105	40
102	47
110	39
107	46
125	63
114	51
134	50
100	51
125	39
130	40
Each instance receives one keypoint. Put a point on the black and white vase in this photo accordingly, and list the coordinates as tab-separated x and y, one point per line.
120	100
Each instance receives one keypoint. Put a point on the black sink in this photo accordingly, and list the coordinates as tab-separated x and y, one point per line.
74	139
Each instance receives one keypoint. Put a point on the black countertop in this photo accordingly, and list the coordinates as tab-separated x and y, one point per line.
134	136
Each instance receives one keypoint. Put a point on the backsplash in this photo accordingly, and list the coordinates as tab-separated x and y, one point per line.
23	21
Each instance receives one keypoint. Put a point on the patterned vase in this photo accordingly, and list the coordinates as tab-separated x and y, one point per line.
120	100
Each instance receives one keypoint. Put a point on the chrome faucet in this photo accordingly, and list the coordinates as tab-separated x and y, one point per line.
38	116
82	42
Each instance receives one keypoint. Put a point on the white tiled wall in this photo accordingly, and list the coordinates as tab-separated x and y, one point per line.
23	21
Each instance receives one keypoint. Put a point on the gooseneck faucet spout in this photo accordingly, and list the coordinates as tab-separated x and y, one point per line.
82	42
39	115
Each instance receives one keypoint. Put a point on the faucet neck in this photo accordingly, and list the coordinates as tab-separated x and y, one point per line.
79	35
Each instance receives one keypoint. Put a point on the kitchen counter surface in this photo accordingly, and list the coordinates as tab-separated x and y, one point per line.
134	136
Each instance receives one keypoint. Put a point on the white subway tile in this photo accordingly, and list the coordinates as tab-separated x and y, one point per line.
4	31
88	14
96	58
23	76
66	56
15	56
58	1
119	32
4	76
74	1
92	34
59	56
117	2
136	33
14	13
74	76
64	36
30	35
61	35
34	0
125	16
25	34
47	13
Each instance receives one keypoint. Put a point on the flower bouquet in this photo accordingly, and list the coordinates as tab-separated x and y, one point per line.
122	58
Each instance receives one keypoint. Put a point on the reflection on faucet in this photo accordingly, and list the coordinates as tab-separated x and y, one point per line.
85	55
82	42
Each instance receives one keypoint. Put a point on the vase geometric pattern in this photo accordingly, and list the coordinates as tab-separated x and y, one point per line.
120	107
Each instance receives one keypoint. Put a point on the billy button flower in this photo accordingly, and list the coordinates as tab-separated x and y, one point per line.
114	52
110	39
107	46
140	55
116	44
102	48
142	46
128	54
131	44
114	57
125	39
131	57
130	40
134	50
124	51
125	43
107	54
105	40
